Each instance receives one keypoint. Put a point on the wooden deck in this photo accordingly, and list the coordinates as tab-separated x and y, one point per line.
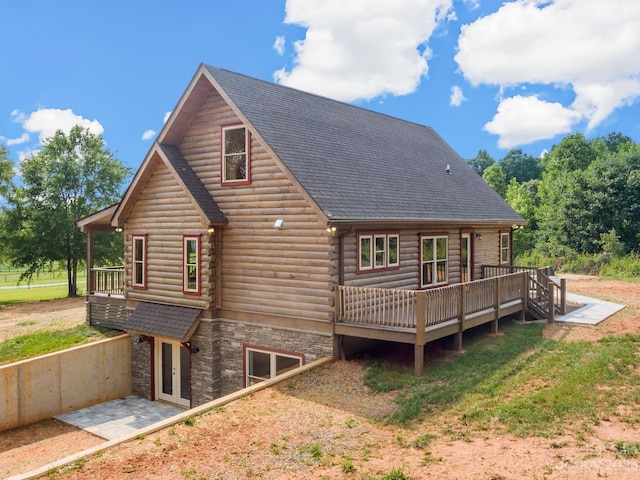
421	316
398	315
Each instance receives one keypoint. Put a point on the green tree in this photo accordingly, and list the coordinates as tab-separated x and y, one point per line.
73	176
481	162
496	178
521	200
6	171
521	166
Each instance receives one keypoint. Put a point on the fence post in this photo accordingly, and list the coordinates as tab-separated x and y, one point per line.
421	313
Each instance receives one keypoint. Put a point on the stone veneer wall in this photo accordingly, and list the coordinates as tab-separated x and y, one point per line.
140	368
205	364
234	335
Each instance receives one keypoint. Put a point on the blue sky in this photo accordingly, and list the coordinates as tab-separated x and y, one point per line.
484	74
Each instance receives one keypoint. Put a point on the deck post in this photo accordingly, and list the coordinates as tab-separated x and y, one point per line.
525	295
457	337
563	296
421	317
552	307
494	323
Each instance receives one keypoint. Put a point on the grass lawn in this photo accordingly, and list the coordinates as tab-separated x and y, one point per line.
519	382
43	342
10	278
36	294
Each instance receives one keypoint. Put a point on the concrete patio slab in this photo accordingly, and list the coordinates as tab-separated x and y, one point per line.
117	418
593	311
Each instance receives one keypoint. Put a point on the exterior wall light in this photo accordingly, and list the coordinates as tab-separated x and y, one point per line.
331	229
118	229
211	230
279	223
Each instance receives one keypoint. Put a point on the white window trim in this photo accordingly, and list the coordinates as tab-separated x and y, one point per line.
224	155
435	261
273	354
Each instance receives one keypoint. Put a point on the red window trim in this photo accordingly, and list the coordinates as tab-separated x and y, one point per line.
472	252
430	235
230	183
373	234
197	238
145	238
246	347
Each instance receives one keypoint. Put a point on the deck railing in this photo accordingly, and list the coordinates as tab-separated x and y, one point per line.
107	281
402	308
547	297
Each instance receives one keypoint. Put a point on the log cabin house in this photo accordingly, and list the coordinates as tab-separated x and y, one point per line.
267	224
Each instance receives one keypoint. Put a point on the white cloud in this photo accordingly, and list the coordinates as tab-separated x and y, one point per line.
589	46
279	44
522	120
47	121
457	97
361	49
148	135
15	141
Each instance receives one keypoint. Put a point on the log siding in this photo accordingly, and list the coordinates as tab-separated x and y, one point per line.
285	271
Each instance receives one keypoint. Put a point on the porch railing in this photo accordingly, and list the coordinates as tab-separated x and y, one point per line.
107	281
547	297
413	308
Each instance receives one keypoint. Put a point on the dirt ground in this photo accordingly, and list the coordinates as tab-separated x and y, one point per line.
23	318
326	425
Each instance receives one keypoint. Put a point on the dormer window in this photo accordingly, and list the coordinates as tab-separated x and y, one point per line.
235	155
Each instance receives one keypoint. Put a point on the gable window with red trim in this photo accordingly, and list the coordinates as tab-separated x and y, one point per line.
191	264
235	161
139	261
378	251
434	254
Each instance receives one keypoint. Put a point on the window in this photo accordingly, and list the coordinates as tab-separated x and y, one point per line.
505	253
378	251
435	262
139	267
235	155
262	364
191	264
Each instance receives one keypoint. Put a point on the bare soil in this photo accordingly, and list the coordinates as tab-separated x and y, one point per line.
326	424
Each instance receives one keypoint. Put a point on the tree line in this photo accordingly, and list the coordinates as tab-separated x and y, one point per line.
71	177
581	201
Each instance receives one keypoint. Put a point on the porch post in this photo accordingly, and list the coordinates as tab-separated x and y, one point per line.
494	324
90	242
525	295
552	307
421	314
462	311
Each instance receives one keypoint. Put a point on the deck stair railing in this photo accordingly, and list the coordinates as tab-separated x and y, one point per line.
547	297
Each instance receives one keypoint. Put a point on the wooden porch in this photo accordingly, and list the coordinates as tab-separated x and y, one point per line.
405	316
421	316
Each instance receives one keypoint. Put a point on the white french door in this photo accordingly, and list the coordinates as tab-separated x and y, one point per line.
173	372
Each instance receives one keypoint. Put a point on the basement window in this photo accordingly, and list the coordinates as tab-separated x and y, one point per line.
263	364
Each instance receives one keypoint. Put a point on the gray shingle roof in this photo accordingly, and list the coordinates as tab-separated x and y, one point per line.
361	165
170	321
193	184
